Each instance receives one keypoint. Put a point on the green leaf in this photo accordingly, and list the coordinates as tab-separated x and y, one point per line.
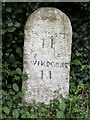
22	111
78	53
24	77
12	92
10	24
76	62
18	95
10	104
9	50
2	32
21	94
15	87
13	15
17	24
8	9
60	114
11	29
15	113
43	110
6	110
62	106
18	50
11	58
18	71
17	77
26	115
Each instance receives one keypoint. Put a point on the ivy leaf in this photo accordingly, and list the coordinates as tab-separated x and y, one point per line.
76	62
18	71
17	77
24	77
15	87
11	29
20	94
78	53
18	50
22	111
60	114
10	104
62	106
8	9
12	92
11	58
2	32
6	110
17	24
15	113
26	115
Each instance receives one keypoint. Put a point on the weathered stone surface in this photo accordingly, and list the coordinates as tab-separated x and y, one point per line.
47	53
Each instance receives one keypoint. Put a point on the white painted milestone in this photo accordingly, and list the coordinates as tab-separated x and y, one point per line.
47	54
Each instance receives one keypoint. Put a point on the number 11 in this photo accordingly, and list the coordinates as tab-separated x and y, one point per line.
42	74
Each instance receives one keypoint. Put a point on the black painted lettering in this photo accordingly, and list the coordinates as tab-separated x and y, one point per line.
38	63
50	74
62	65
52	63
48	63
42	63
43	43
58	55
57	64
34	62
66	65
63	35
51	41
42	74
